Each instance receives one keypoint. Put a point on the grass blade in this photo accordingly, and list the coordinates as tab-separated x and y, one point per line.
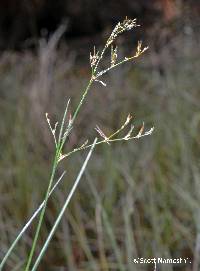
64	207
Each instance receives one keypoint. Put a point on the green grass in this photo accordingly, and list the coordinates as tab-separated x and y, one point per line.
136	199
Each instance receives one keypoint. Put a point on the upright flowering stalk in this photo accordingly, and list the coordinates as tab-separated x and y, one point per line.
65	128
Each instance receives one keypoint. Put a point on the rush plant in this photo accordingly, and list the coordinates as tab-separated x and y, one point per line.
61	133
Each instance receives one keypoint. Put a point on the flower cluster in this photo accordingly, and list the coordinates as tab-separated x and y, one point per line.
140	50
128	136
126	25
94	58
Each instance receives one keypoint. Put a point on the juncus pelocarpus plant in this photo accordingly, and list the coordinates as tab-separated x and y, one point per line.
60	136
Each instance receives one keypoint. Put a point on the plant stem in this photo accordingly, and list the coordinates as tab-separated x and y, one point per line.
82	99
64	207
55	163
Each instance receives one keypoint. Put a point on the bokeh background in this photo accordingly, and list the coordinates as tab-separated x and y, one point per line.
137	199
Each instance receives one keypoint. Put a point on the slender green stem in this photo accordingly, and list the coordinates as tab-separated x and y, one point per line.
85	92
43	211
64	207
82	99
55	163
63	122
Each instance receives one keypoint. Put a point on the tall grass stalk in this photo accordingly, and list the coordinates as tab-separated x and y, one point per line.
67	126
58	144
64	207
95	60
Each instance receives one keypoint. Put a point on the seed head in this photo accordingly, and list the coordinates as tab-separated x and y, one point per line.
126	25
94	58
139	49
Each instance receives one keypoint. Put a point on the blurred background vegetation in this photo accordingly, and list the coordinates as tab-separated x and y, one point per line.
139	199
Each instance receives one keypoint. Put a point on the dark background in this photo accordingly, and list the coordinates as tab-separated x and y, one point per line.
22	20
